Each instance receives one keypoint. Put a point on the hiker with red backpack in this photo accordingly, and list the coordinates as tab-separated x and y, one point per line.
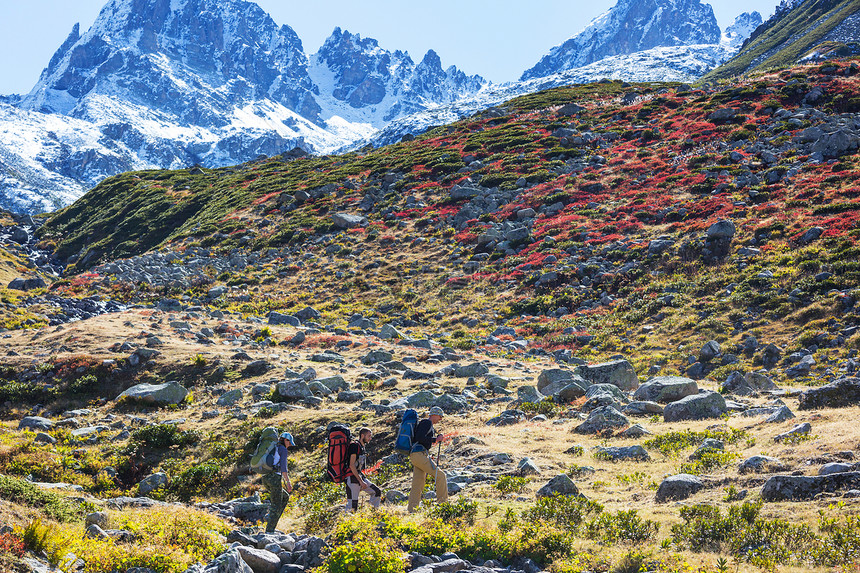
355	481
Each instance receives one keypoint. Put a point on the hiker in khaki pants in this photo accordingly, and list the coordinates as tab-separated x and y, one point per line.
423	440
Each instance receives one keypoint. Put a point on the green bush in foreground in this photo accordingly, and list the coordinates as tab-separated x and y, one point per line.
376	556
54	505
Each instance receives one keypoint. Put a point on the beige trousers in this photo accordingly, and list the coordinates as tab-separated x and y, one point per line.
421	466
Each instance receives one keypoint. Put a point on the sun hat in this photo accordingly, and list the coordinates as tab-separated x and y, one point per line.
289	437
436	411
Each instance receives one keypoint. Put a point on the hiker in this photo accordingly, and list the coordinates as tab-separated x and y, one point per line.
356	482
422	441
278	496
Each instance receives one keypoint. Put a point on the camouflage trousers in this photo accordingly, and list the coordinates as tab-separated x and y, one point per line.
278	499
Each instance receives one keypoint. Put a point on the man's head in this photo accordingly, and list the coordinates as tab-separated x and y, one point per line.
435	414
364	435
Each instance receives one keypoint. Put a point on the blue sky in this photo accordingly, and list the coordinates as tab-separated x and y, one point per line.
497	39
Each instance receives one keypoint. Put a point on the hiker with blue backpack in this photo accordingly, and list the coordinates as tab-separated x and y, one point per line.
270	460
423	436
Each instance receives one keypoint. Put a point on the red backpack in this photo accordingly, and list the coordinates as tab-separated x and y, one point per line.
337	468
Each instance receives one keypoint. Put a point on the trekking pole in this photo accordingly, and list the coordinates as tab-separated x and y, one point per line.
438	461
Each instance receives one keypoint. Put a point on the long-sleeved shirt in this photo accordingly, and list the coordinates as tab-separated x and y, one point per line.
424	435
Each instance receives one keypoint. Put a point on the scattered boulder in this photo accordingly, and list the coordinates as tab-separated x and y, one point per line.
294	390
781	415
643	408
709	351
747	384
799	430
260	560
277	318
473	370
27	284
835	468
698	407
152	483
678	487
615	454
552	376
170	393
229	398
801	488
602	420
761	464
665	389
347	221
617	372
560	484
35	423
839	394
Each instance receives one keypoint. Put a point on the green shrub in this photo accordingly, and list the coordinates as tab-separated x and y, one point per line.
511	484
708	461
672	443
163	436
194	481
547	407
623	526
563	510
84	385
318	506
464	510
367	556
54	505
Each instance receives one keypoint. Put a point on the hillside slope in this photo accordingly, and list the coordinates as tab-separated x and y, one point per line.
645	294
791	35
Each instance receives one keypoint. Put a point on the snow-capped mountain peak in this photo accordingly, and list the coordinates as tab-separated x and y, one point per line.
632	26
741	29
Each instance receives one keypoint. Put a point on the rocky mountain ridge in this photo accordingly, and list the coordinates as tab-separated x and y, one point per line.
135	93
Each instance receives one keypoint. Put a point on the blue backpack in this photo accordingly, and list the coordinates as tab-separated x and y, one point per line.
403	444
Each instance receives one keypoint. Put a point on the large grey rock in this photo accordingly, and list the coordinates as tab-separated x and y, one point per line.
710	445
798	430
759	464
834	468
452	403
350	396
99	518
636	453
334	383
27	284
387	332
229	562
678	487
560	484
602	420
422	399
569	393
529	394
553	375
229	398
665	389
698	407
709	351
377	356
277	318
642	408
617	372
294	389
747	384
723	229
152	483
781	415
260	560
347	221
606	389
473	370
839	394
308	313
319	389
801	488
170	393
35	423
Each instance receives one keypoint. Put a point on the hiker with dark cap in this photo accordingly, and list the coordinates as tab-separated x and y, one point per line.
423	439
356	482
279	496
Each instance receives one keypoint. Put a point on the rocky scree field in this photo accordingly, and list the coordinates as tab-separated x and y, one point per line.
636	303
